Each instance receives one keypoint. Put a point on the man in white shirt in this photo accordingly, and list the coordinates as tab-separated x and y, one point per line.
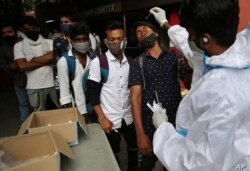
79	38
111	100
34	55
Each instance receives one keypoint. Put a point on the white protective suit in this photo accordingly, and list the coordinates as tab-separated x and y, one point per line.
214	115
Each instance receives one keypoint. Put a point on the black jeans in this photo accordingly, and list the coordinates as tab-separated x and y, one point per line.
128	133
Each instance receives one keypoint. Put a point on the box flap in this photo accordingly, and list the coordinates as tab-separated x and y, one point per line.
61	145
53	117
81	121
25	125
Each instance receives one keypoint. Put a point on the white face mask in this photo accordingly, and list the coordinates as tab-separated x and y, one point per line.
82	48
123	44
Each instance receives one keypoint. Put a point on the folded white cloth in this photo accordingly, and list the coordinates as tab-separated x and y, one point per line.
27	43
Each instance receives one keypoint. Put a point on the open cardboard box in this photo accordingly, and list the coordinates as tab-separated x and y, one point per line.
62	121
34	152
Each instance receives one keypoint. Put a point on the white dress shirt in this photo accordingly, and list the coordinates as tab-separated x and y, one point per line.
65	94
115	93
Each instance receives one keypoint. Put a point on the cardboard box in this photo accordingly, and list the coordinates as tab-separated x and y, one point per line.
62	121
34	152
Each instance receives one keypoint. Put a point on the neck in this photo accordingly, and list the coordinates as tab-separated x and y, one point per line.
118	56
217	51
79	55
155	51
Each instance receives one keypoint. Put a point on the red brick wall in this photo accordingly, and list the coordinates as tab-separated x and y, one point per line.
244	14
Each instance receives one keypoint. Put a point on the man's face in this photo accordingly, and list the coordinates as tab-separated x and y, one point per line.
113	40
114	36
142	32
27	27
32	32
8	31
65	20
80	38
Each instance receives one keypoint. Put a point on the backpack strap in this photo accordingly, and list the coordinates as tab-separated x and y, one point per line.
104	67
140	59
71	64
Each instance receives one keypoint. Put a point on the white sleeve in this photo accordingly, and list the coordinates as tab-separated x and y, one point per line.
63	78
179	37
168	146
50	44
94	70
18	51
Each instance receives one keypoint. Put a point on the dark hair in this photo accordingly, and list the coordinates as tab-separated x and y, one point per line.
219	18
30	21
79	28
113	25
4	25
69	16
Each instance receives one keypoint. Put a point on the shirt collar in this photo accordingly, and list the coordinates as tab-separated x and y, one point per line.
112	58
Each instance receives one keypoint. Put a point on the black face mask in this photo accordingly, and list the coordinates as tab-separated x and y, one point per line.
33	35
10	40
148	42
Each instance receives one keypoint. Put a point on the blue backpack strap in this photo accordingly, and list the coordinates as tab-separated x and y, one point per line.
71	63
104	67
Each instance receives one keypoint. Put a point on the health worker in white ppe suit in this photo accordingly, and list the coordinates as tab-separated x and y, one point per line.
213	120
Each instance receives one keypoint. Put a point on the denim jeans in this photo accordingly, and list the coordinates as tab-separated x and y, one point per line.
23	101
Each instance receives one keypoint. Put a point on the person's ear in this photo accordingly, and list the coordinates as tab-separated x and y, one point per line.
106	42
206	41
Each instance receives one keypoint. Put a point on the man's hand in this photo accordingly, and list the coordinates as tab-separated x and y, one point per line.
13	66
159	116
106	125
159	14
144	145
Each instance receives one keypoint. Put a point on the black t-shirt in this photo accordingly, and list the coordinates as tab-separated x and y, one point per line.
161	76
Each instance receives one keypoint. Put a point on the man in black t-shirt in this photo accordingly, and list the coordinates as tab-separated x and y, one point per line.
158	81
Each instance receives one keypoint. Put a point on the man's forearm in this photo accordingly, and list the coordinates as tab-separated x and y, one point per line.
136	111
99	112
44	59
24	65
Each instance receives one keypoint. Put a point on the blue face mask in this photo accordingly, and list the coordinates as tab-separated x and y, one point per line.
65	27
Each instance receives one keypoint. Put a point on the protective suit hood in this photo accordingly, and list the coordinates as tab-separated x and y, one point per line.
237	56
